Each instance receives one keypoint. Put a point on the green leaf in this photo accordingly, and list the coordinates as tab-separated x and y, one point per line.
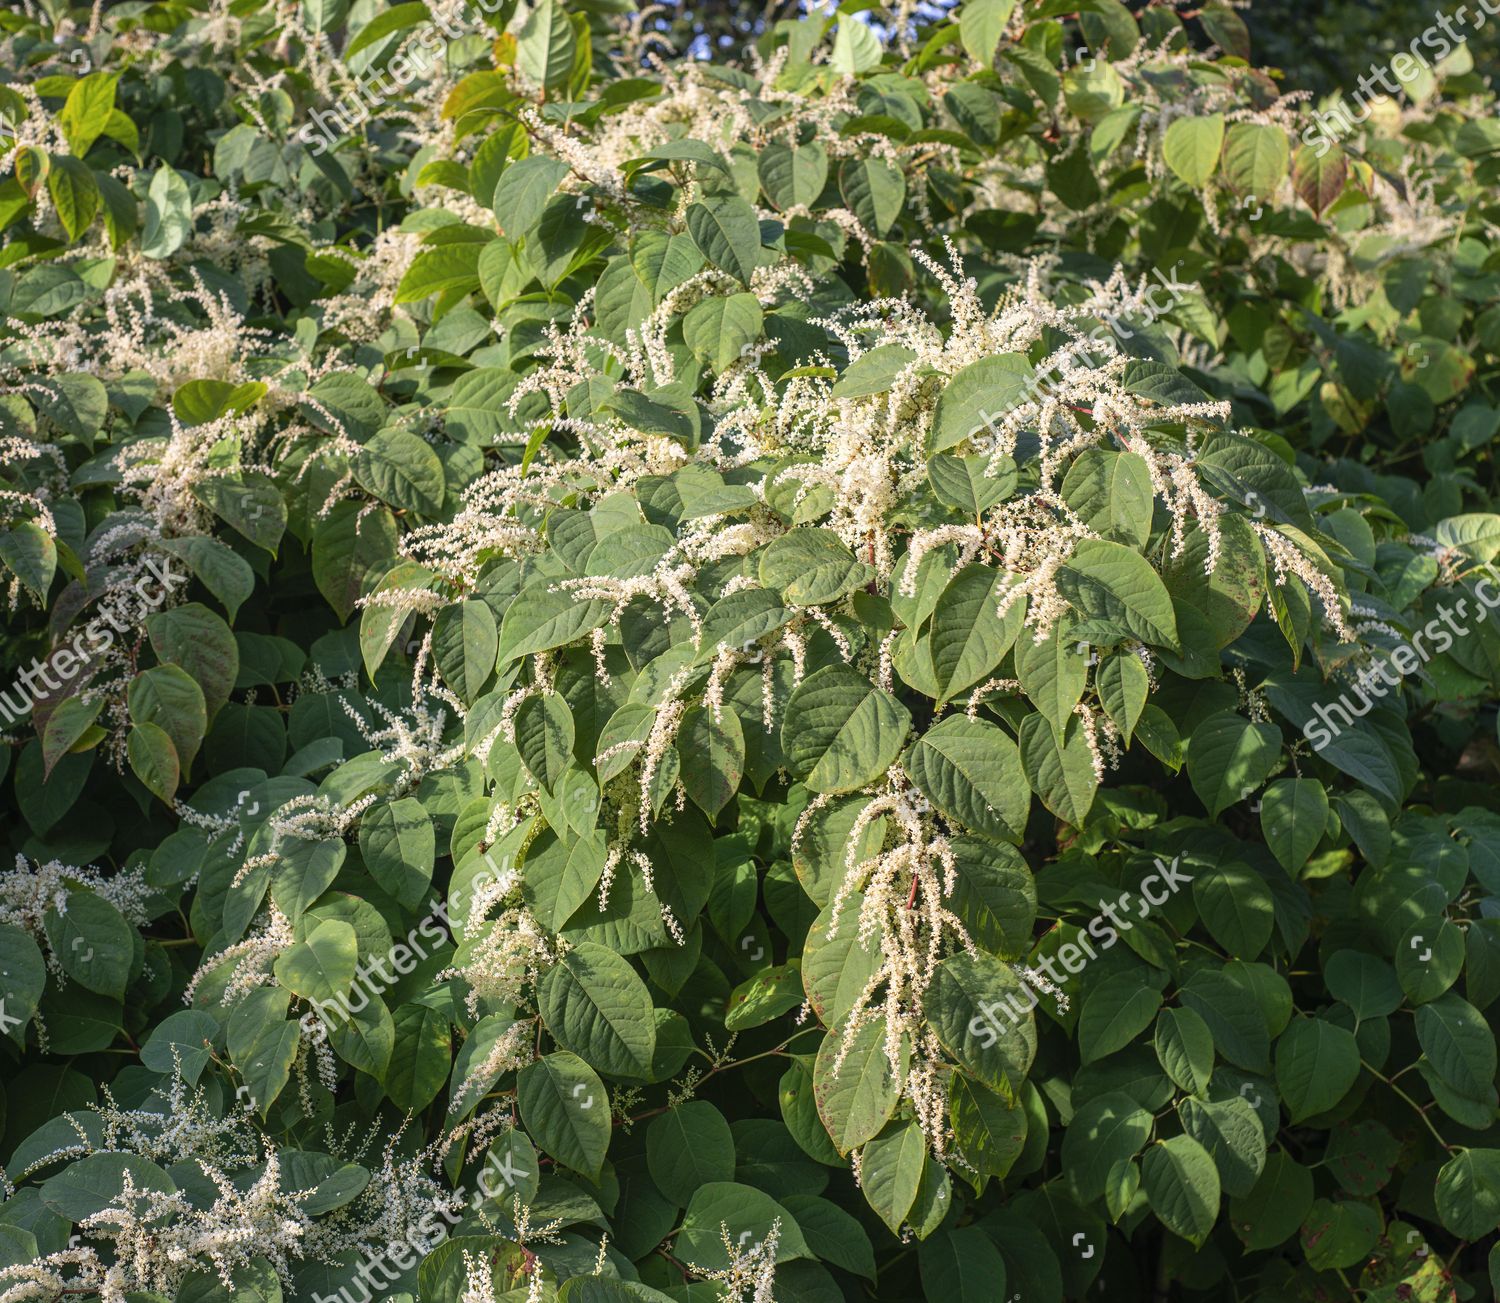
32	555
196	639
721	330
545	46
1111	493
1256	158
1185	1049
1123	685
727	232
1109	583
971	771
1062	774
854	1086
420	1058
1180	1180
1113	1015
1459	1044
1108	1129
249	501
522	193
23	976
544	737
398	18
305	870
320	967
77	404
566	1110
1429	960
875	192
968	636
1468	1193
402	470
712	752
687	1147
351	548
465	641
398	845
1293	818
91	1185
1229	757
1237	908
746	1215
594	1005
74	193
153	759
1232	1134
891	1170
182	1041
1316	1064
981	24
1191	148
976	401
841	732
811	567
540	619
445	268
981	1013
855	47
989	1128
168	697
218	567
169	214
86	113
792	175
1281	1200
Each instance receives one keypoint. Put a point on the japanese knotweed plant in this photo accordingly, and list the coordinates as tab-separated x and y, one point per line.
861	671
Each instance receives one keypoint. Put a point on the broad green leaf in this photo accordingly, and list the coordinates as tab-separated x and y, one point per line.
1112	586
727	232
745	1214
1256	158
74	193
854	1086
167	696
1229	757
971	771
566	1110
1180	1180
841	732
594	1004
1113	1016
465	640
545	46
975	403
687	1147
169	214
1316	1064
981	24
320	967
1293	818
968	636
1191	148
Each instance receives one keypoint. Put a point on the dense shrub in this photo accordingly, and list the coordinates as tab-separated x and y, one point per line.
862	673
